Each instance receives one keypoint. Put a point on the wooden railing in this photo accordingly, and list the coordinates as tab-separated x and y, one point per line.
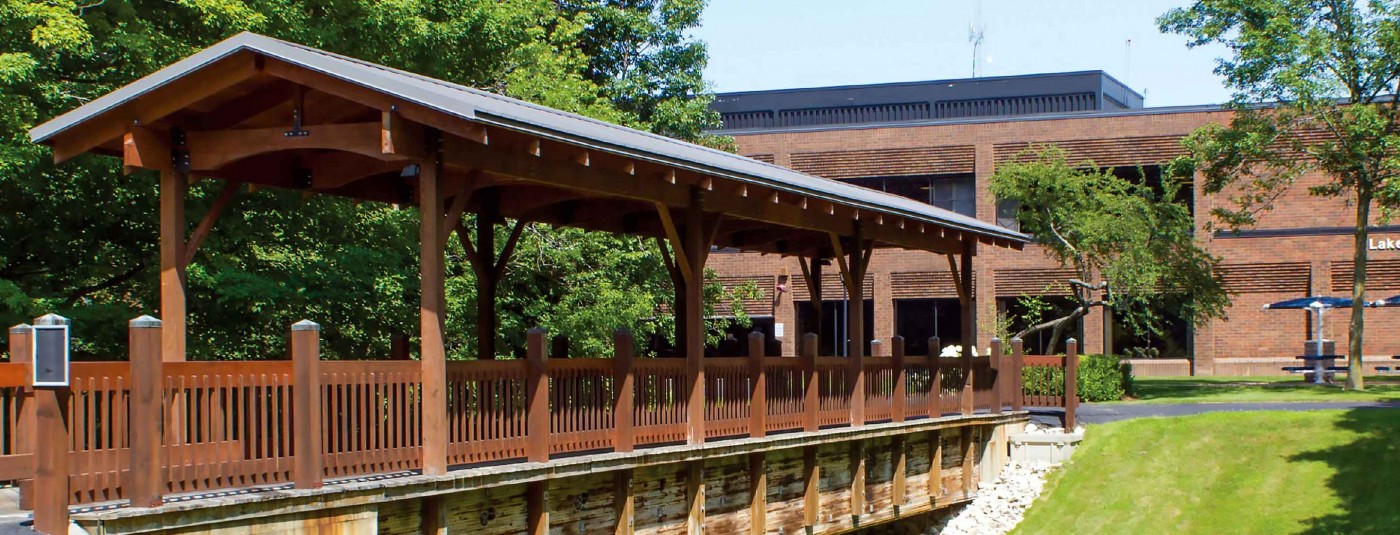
222	425
1047	380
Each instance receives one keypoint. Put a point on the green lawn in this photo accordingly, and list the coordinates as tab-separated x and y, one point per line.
1243	472
1233	389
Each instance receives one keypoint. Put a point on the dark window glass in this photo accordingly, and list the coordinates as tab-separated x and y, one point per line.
955	193
1038	343
834	325
918	319
1006	214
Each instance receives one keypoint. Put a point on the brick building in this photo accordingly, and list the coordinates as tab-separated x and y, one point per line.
940	142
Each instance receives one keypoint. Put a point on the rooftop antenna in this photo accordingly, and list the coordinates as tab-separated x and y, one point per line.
976	32
1128	62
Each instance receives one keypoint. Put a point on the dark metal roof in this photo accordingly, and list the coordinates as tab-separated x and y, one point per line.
489	108
998	96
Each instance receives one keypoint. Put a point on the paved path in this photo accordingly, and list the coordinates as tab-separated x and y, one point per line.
1098	413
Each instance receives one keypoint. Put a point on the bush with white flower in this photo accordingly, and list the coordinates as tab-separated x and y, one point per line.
955	352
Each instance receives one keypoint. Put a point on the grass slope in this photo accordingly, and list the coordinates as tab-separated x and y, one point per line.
1248	389
1251	472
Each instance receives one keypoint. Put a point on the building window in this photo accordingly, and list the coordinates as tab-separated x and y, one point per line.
919	319
1007	211
955	193
835	330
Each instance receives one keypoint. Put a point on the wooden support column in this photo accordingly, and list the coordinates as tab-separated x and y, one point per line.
899	492
935	467
969	483
758	493
434	516
623	363
537	507
51	459
306	377
536	398
147	481
758	395
968	307
488	265
1018	389
812	488
27	437
624	502
1071	383
811	396
995	360
935	374
431	310
853	272
900	402
695	497
691	244
174	187
812	276
857	481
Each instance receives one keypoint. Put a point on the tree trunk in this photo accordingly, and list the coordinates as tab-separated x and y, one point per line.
1358	290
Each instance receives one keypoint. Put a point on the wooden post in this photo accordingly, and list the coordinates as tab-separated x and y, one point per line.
899	405
758	493
968	464
173	188
935	379
306	377
899	494
27	439
623	437
1018	388
1071	383
487	278
51	457
877	348
624	502
433	350
968	307
811	397
812	488
697	247
434	516
857	481
994	360
695	497
758	395
147	482
935	467
812	277
537	398
537	507
854	272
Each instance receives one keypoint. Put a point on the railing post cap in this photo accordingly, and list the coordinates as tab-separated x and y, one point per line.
896	337
51	319
756	334
537	330
22	328
144	322
1071	341
623	331
1015	339
306	325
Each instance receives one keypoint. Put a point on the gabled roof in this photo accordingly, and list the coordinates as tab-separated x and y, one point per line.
491	109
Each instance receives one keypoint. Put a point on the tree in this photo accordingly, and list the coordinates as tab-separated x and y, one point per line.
1130	245
1314	96
79	238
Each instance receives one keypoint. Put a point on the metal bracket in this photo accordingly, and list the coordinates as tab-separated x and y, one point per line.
179	151
298	97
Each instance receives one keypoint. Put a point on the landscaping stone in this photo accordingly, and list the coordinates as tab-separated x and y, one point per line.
1000	506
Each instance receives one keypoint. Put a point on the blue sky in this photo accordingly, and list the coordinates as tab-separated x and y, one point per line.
776	44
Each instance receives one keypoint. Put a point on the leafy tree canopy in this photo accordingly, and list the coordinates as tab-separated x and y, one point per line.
1130	246
1314	97
80	239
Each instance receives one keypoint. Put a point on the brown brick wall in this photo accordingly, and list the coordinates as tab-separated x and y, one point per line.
1258	269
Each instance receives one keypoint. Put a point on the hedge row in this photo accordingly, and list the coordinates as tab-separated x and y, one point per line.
1101	378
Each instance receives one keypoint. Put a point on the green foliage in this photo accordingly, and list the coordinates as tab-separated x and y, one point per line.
1138	242
1329	70
1100	378
80	239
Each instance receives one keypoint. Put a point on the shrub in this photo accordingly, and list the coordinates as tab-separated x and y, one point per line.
1100	378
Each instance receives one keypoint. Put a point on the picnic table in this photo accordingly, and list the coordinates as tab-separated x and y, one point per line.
1321	364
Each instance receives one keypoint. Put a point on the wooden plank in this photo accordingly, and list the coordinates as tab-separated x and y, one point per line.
212	150
758	394
51	495
143	148
695	497
858	468
969	483
899	492
27	439
536	507
968	309
812	499
624	392
206	223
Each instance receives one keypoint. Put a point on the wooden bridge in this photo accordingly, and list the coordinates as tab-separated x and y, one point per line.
164	441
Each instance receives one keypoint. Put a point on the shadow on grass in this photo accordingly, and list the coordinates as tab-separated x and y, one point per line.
1365	474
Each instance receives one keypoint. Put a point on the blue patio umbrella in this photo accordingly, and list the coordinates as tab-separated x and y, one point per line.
1391	301
1317	302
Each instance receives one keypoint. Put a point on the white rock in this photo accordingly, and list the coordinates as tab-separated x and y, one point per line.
999	506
